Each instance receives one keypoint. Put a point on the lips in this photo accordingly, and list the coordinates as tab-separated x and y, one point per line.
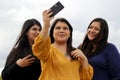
36	35
61	34
91	35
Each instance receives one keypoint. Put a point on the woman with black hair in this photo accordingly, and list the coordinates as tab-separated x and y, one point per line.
102	55
21	64
59	59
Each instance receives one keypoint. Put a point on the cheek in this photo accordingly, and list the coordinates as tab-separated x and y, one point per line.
97	32
68	34
31	36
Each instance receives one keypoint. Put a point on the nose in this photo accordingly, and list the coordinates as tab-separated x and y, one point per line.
61	30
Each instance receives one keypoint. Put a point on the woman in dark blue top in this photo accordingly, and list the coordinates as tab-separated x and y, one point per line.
103	56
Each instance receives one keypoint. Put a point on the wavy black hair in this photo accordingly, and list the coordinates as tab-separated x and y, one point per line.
100	41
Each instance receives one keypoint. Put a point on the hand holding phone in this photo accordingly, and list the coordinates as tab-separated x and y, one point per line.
56	8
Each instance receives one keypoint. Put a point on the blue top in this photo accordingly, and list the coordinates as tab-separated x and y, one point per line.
106	65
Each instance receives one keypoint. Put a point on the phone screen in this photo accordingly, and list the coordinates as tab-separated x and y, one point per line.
56	8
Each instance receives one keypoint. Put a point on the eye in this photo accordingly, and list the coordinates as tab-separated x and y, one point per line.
97	29
58	28
36	29
65	28
33	28
90	27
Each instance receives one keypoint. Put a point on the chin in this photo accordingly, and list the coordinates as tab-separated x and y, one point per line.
91	39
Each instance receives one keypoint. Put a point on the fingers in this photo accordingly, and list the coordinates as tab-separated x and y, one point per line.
47	13
26	61
29	59
77	54
28	56
46	18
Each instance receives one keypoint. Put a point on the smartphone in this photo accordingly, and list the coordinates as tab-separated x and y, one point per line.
57	7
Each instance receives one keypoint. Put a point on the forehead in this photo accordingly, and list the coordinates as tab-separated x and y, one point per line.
95	24
61	24
35	26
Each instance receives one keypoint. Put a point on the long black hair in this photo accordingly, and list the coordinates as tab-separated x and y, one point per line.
100	41
69	42
22	46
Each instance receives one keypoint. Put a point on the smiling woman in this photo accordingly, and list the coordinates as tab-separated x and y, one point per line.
59	59
21	64
102	54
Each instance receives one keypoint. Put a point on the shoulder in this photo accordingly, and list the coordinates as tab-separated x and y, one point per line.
111	49
111	46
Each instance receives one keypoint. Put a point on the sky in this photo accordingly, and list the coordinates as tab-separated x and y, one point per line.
78	12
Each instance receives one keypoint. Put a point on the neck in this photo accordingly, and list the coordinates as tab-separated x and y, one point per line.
31	43
61	47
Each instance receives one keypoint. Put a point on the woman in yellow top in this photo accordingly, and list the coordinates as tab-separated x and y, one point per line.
60	61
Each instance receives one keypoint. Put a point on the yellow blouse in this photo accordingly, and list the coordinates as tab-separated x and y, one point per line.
55	66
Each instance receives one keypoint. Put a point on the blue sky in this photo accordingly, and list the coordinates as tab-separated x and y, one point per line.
78	12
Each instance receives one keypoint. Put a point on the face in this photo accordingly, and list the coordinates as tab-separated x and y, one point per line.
32	33
93	30
61	32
